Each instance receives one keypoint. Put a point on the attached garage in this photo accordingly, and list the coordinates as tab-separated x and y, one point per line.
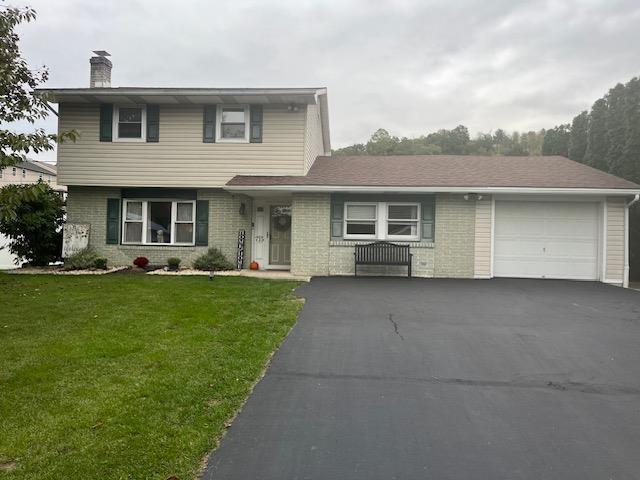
547	239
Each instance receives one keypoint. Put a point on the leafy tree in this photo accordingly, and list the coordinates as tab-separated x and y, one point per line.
556	141
17	83
597	139
355	149
578	137
630	163
451	142
616	128
31	216
415	146
382	143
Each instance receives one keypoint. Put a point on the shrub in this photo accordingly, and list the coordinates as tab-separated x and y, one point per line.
31	216
141	262
213	260
81	260
100	263
173	263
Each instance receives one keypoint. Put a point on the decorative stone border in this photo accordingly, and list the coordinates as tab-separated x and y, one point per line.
53	271
266	274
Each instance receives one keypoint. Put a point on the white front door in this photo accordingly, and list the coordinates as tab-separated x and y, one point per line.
261	234
546	240
272	233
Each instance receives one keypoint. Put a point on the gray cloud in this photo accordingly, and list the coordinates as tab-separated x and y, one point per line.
409	66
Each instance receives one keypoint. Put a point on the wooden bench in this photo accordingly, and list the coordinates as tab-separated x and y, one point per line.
382	253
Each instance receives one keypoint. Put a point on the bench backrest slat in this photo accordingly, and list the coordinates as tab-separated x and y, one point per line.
382	253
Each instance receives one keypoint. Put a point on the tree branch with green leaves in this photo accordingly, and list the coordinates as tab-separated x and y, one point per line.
18	100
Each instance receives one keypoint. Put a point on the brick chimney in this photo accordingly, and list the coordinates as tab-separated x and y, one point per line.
100	70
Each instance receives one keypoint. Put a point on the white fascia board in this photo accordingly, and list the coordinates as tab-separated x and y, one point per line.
485	190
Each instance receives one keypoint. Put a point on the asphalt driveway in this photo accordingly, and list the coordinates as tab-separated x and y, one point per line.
447	379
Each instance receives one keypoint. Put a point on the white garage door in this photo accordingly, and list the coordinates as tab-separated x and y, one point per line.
546	240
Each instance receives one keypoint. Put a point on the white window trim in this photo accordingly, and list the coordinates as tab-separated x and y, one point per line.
376	220
247	126
174	210
116	118
382	222
412	238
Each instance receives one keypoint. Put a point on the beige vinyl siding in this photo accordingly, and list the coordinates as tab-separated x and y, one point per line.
313	145
180	158
615	240
482	249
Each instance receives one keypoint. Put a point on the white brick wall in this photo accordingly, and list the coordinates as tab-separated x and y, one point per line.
454	239
310	234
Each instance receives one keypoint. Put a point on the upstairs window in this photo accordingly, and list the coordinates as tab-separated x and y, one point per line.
129	123
233	123
24	173
158	222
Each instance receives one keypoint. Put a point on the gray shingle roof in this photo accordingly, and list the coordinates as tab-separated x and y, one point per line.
445	171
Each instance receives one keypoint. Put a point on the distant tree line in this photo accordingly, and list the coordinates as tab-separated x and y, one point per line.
456	141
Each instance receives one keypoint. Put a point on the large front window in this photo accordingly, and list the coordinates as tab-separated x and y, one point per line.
233	123
382	221
160	222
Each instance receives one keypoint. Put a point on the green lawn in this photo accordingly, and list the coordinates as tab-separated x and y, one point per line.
128	376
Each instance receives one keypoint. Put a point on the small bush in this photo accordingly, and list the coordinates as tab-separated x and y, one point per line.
141	262
81	260
173	263
100	263
212	260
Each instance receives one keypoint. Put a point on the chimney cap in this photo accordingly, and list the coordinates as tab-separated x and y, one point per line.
102	53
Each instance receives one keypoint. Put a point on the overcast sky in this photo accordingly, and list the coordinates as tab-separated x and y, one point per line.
408	66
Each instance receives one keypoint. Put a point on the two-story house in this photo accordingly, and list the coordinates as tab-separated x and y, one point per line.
168	172
148	170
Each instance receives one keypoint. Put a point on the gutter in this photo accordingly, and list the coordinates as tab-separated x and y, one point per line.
625	282
462	190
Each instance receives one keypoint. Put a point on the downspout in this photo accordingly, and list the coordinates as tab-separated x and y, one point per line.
625	282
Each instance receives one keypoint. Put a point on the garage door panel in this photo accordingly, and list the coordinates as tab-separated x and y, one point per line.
546	240
570	228
531	268
571	270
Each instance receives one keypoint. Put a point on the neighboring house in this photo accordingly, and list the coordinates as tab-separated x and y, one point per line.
25	173
170	172
31	171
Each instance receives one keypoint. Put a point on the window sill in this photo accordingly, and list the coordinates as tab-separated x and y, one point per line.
351	243
153	246
129	140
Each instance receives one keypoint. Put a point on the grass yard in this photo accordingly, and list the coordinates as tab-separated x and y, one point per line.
128	376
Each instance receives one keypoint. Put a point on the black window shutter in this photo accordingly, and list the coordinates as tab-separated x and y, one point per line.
428	219
209	124
202	222
106	122
113	221
256	124
337	213
153	123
